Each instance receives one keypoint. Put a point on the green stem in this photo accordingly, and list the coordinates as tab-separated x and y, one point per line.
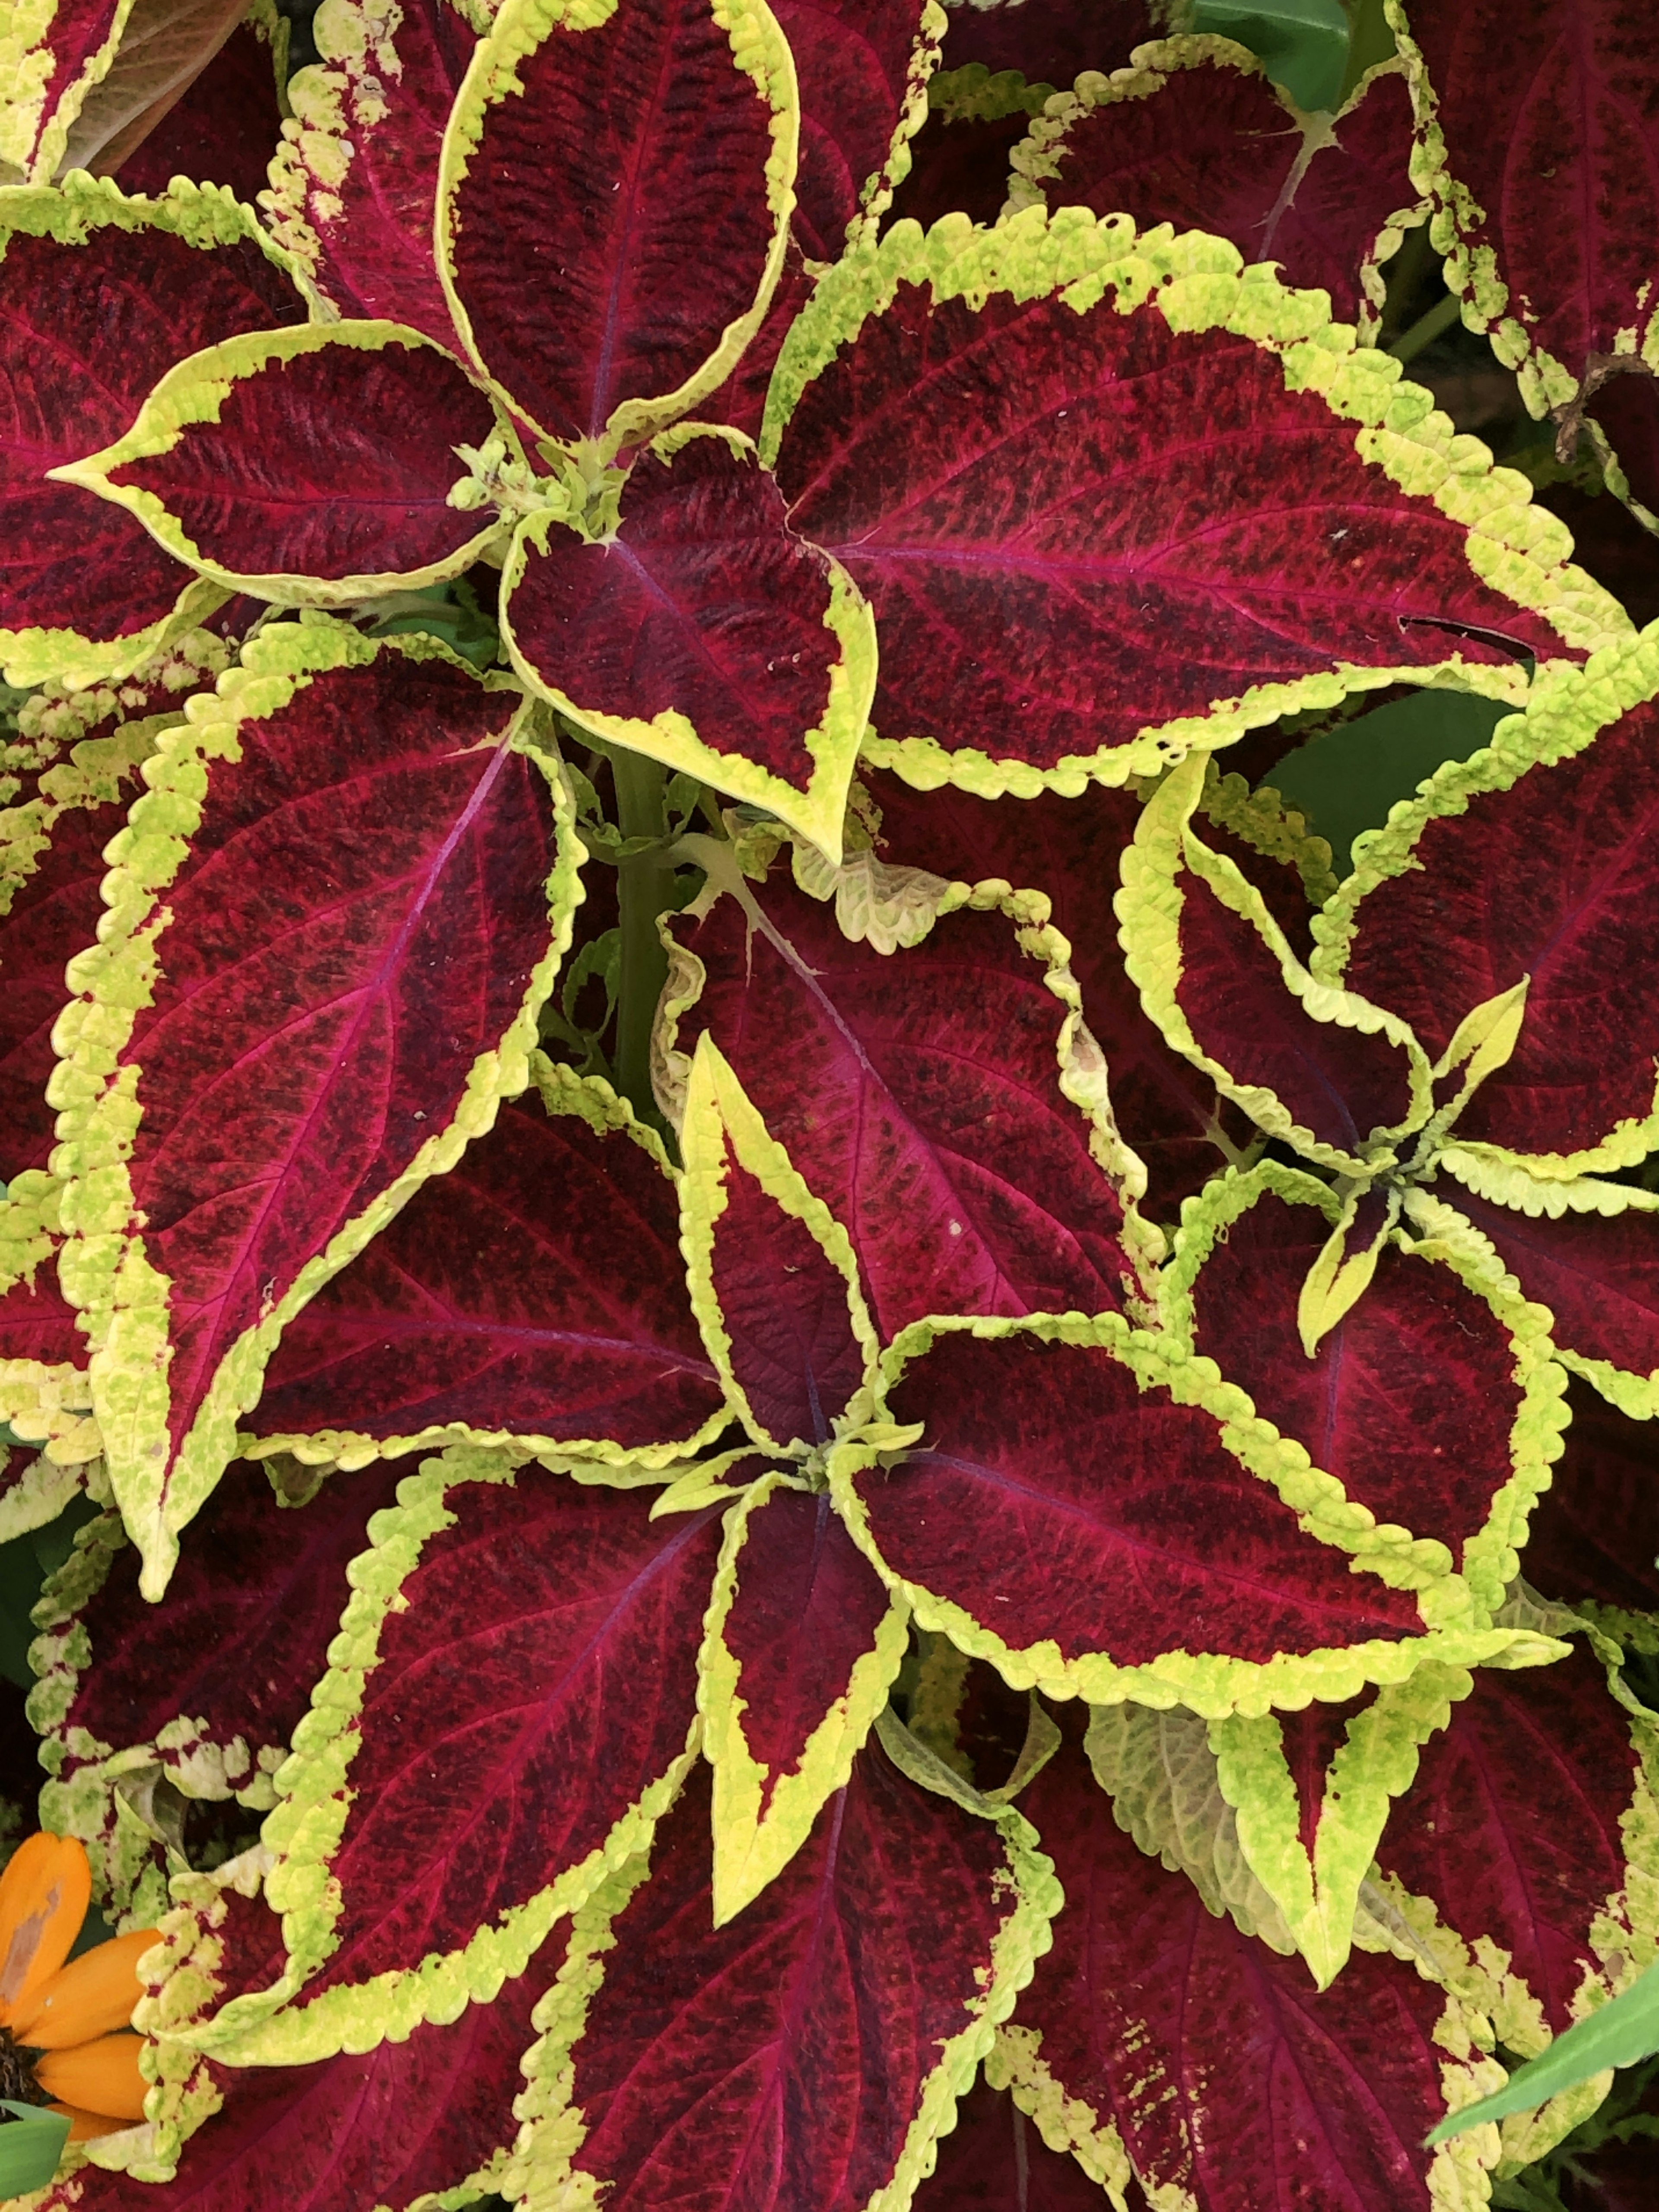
1426	328
643	892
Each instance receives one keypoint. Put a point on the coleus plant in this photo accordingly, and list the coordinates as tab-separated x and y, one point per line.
807	1383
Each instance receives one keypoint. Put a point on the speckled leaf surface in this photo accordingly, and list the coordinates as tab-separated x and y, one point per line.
325	456
1067	1515
1411	1401
586	1339
704	630
54	914
815	2046
73	292
1228	2077
861	71
1577	927
532	1688
918	1094
1513	1827
420	2115
363	821
981	470
1548	117
1202	139
355	181
636	159
1070	850
1048	41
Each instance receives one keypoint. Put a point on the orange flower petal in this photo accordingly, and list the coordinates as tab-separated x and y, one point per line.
44	1895
91	1996
99	2077
84	2125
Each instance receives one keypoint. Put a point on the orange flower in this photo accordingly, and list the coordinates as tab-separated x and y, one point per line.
77	2016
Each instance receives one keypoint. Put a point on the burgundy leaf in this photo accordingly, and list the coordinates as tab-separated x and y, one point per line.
356	185
778	2062
1054	1499
1228	2074
586	1335
1555	878
56	64
38	1322
1341	1084
994	2160
1627	409
917	1095
704	602
1609	544
1595	1531
1212	146
987	476
1310	1741
959	163
630	166
1409	1401
807	1606
1550	113
852	64
386	2127
337	463
1047	41
54	914
1598	1274
539	1679
245	1630
223	130
1512	1826
741	400
85	330
784	1307
1070	849
294	1055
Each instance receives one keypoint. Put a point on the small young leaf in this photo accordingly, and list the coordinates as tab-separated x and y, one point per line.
703	632
803	1643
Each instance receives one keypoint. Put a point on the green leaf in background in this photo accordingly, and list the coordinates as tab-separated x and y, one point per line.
1346	780
31	2143
1302	43
1621	2032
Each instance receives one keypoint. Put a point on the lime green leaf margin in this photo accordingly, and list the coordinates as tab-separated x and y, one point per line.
1200	283
194	391
204	216
759	49
1209	1683
103	1268
313	1786
542	2177
757	1832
